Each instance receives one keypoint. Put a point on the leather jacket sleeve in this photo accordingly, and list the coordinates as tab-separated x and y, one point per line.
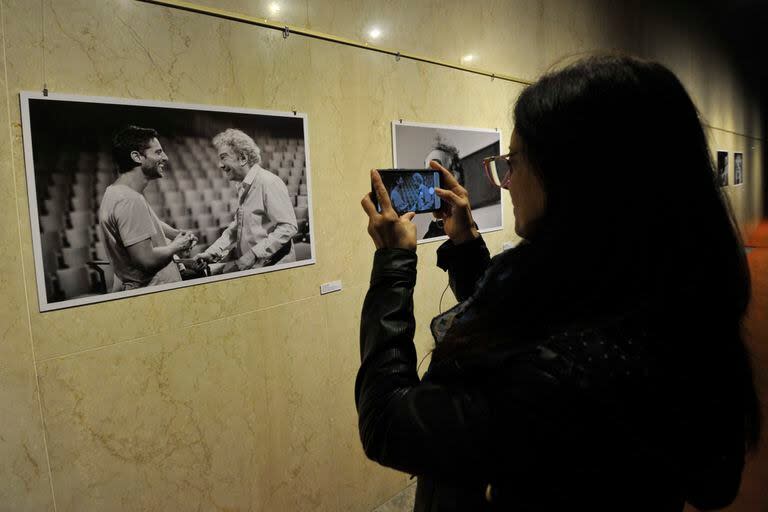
406	424
466	263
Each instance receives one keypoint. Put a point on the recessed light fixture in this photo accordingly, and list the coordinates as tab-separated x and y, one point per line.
467	59
374	33
274	8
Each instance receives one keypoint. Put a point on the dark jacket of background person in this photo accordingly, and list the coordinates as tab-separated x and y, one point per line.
591	413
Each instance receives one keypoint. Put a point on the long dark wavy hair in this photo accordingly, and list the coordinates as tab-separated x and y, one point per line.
634	218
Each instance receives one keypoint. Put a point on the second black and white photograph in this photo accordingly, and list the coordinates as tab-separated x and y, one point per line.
461	150
738	168
130	197
722	168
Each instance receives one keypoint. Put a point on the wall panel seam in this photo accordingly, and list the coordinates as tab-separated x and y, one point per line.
190	326
21	258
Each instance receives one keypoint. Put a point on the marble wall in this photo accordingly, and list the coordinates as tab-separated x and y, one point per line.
238	395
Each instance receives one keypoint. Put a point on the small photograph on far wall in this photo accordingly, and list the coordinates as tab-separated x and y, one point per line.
738	168
460	150
722	168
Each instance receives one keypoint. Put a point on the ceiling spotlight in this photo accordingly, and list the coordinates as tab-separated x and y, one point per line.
375	33
274	8
467	58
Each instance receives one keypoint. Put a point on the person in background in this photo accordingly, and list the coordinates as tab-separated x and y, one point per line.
136	241
447	156
261	233
600	364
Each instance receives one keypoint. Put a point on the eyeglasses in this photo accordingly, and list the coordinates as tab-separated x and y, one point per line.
497	170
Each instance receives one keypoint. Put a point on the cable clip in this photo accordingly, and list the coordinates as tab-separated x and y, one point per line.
294	111
493	77
397	57
286	32
45	90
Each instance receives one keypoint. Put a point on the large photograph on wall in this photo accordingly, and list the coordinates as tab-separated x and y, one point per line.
460	150
130	197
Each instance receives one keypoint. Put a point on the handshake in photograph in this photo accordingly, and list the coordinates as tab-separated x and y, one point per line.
138	242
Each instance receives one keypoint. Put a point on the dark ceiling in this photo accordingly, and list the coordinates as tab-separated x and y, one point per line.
741	26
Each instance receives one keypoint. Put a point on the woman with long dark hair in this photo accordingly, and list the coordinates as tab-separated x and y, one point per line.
598	365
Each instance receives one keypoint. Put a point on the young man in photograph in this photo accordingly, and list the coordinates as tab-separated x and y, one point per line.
261	233
136	240
396	196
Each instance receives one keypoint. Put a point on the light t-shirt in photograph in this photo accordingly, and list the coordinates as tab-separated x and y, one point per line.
126	218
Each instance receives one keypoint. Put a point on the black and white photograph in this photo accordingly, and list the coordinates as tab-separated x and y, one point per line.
461	151
722	168
738	168
129	197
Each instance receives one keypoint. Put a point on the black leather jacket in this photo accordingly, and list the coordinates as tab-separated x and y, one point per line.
589	418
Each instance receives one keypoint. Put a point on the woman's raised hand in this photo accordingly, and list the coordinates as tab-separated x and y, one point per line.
455	211
387	229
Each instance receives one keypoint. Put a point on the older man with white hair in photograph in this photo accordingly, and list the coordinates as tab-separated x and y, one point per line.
261	233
